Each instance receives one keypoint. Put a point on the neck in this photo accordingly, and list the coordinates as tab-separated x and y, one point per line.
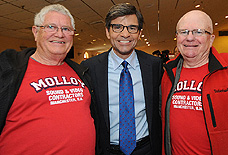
189	64
123	55
51	60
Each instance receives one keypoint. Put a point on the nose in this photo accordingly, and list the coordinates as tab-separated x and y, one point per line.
125	33
190	36
59	32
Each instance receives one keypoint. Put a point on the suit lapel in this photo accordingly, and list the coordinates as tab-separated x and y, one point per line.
102	83
147	75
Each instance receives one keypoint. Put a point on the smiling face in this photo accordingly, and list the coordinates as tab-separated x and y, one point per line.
123	43
195	49
53	45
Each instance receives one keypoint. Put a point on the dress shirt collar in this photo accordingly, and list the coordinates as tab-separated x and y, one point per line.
116	61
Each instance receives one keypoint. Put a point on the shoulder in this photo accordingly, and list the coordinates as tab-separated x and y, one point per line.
143	56
221	57
146	55
225	56
15	57
75	66
13	52
9	53
103	57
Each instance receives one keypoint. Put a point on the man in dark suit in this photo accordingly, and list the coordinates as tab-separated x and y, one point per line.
123	27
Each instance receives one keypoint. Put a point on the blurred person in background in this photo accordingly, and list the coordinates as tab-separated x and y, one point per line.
156	53
165	56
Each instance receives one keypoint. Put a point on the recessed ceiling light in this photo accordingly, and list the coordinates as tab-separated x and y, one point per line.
197	6
226	17
147	42
216	24
142	35
145	39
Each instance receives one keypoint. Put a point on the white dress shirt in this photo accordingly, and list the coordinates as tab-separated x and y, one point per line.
114	71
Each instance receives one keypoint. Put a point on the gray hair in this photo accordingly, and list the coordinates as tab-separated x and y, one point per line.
39	17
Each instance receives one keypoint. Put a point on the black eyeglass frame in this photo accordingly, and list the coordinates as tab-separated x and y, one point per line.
129	26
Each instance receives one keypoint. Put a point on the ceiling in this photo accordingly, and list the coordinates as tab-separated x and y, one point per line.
16	19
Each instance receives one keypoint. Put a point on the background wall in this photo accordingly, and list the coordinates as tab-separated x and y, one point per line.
221	43
14	43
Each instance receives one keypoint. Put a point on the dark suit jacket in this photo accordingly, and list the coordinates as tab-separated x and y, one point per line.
151	68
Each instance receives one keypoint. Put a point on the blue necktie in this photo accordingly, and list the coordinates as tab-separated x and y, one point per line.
127	135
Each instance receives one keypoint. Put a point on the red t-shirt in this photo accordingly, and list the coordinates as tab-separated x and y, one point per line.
187	124
50	114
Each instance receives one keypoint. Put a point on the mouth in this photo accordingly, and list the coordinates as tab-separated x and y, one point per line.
190	45
126	41
59	42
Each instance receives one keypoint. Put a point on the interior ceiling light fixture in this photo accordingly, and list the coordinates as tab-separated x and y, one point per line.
197	6
158	15
216	24
226	17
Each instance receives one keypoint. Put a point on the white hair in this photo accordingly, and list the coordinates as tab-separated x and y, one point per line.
39	17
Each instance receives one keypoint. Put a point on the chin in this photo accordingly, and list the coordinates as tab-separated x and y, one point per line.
190	55
125	51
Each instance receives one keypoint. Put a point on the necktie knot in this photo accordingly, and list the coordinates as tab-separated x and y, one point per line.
125	63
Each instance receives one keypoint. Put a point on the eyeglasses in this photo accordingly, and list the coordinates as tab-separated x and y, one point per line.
119	28
195	32
52	29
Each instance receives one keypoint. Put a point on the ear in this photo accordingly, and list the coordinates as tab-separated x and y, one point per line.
35	31
107	32
140	32
212	38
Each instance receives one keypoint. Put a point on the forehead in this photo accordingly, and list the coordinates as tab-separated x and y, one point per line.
193	21
54	17
128	19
